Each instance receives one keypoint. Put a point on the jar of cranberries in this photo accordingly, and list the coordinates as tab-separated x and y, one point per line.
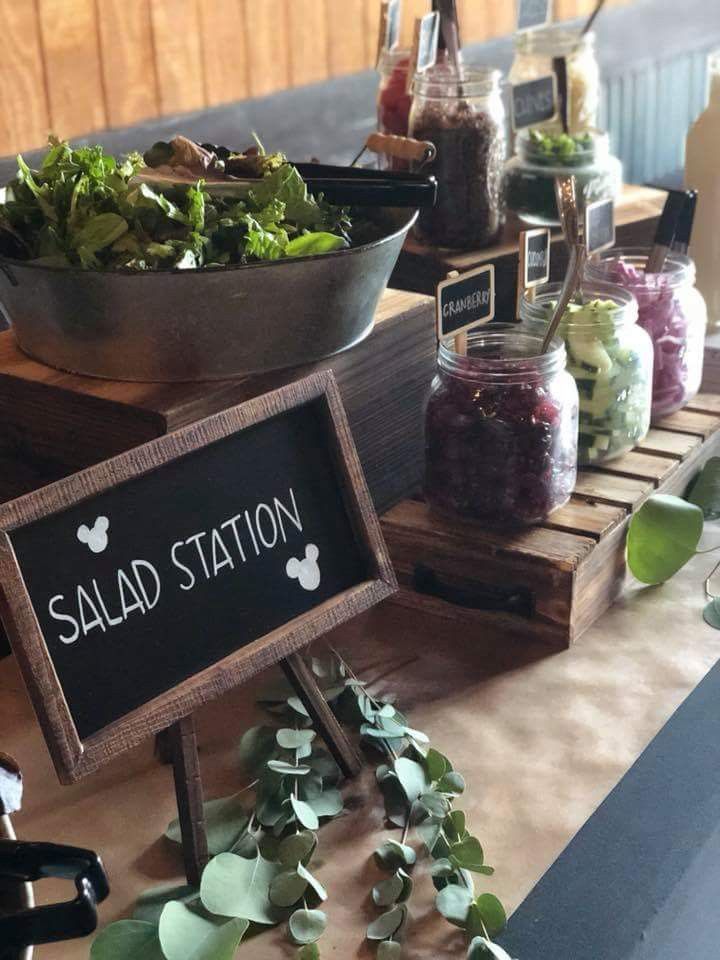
501	429
393	100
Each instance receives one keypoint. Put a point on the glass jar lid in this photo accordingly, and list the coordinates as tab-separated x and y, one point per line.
442	82
503	353
597	306
554	41
678	270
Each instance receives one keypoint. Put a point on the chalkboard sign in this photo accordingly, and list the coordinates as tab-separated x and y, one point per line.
534	102
465	301
599	226
389	33
139	589
425	45
533	14
535	257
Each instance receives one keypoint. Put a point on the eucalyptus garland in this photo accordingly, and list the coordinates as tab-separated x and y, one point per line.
260	872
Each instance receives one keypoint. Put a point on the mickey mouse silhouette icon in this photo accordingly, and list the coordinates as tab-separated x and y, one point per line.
95	537
306	571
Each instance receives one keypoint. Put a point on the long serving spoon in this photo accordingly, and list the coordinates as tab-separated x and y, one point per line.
593	16
565	192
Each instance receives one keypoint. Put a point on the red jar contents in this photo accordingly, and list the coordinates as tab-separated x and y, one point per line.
501	431
394	101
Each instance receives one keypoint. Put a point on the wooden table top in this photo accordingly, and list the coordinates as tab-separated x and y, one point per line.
540	738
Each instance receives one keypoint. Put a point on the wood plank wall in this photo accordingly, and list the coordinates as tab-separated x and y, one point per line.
74	66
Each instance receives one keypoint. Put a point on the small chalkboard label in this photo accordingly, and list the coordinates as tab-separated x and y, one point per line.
465	301
389	34
535	254
533	14
425	45
599	226
534	102
145	586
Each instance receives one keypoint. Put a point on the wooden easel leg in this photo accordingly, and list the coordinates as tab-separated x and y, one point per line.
305	685
189	793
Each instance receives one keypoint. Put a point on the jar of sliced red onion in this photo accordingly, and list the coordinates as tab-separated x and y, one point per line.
672	311
501	429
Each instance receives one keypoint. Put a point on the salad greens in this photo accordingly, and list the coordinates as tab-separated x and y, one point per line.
83	208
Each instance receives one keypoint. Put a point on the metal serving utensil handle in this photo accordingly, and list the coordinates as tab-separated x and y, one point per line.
24	862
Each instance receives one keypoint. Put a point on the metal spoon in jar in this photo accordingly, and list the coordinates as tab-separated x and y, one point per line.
565	192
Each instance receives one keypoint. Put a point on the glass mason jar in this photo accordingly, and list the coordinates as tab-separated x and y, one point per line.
501	429
535	51
393	101
465	118
673	312
541	156
611	359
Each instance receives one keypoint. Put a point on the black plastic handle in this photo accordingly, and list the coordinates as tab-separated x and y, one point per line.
481	596
22	861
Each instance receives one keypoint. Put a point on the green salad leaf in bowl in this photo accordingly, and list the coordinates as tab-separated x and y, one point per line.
83	208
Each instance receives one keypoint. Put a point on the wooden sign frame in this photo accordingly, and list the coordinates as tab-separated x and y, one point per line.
74	758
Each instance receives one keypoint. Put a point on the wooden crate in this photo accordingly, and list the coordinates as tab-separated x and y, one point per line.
549	582
53	423
420	268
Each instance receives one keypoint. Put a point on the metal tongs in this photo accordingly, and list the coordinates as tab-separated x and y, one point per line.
565	191
21	924
354	185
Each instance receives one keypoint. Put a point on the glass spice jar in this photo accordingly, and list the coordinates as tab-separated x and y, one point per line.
611	359
542	155
535	51
464	117
673	312
393	101
501	429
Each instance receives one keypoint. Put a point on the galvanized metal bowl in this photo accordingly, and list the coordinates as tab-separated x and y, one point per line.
181	325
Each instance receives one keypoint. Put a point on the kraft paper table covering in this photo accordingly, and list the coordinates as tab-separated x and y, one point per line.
540	738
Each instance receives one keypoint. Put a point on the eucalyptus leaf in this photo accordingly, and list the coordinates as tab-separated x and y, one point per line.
492	913
467	854
127	940
286	889
711	614
292	739
408	884
234	887
313	882
305	814
705	490
307	926
396	802
483	949
412	777
222	942
225	820
436	804
322	763
417	735
151	903
391	855
452	782
296	704
663	535
329	803
304	751
429	832
257	745
181	930
453	902
387	924
454	826
441	868
297	848
436	764
286	769
388	892
389	950
310	951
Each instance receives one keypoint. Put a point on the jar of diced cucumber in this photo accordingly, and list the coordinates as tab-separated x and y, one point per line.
611	359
